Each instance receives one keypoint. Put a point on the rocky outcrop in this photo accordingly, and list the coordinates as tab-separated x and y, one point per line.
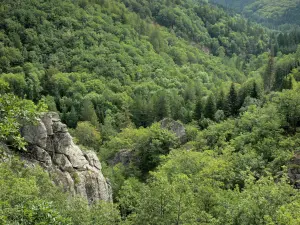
294	170
77	171
124	156
175	127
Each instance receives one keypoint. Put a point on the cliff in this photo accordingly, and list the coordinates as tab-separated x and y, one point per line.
77	171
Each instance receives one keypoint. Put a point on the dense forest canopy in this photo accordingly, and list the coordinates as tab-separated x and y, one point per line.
115	69
266	11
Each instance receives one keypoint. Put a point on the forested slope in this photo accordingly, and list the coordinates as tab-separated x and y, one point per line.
113	69
266	11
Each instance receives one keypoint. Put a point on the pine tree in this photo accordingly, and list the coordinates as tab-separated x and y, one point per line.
232	102
254	91
288	83
142	112
210	107
221	101
198	110
163	107
72	118
269	74
88	113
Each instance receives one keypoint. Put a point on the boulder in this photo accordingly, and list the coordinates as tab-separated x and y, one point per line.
35	134
176	127
92	159
124	156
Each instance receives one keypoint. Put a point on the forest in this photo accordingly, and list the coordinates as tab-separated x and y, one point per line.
271	13
115	69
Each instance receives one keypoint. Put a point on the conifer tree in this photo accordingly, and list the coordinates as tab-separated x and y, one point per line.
210	107
72	118
221	101
88	113
288	82
254	91
163	107
198	110
269	74
232	102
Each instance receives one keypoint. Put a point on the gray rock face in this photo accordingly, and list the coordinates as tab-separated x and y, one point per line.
35	135
175	127
124	156
78	172
294	170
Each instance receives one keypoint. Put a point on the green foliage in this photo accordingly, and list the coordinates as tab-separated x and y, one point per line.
36	212
121	66
232	101
111	63
288	105
87	135
15	112
269	75
210	107
267	11
181	192
88	113
105	213
29	197
145	145
198	110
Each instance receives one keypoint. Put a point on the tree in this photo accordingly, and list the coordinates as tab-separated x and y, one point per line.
288	82
198	110
232	102
156	40
288	104
254	92
269	74
221	102
210	107
88	113
105	213
17	83
88	135
14	113
297	56
163	109
72	118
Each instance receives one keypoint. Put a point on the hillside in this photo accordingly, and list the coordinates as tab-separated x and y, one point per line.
115	59
193	112
266	11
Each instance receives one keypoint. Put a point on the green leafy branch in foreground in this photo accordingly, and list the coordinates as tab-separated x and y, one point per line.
13	113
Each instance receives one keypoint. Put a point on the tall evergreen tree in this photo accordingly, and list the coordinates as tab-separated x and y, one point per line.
221	100
210	107
269	74
72	118
142	112
198	110
288	83
163	107
232	102
88	113
254	91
